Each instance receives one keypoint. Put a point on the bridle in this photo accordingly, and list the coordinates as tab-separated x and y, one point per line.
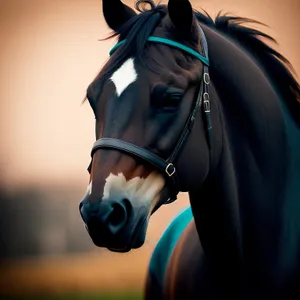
167	166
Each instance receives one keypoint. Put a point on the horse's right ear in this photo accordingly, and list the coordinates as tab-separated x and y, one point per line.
181	14
116	13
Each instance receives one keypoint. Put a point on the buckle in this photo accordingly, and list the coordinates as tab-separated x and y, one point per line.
170	172
206	78
206	102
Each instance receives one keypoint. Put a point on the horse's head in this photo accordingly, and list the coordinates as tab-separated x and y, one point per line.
145	101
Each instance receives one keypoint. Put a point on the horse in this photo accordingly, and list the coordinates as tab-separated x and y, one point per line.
190	104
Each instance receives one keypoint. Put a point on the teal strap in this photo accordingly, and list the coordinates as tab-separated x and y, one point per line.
112	50
168	42
179	46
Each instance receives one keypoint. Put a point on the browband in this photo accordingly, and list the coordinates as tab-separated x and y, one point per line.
168	42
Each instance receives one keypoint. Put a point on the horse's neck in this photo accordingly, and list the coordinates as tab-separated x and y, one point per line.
239	209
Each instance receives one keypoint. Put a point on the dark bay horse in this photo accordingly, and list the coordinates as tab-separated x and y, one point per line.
185	103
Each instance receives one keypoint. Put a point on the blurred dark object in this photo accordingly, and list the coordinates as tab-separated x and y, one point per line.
41	221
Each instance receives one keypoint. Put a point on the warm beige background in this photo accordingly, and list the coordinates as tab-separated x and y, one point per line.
49	54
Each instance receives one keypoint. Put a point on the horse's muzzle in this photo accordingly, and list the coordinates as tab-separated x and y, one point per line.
112	224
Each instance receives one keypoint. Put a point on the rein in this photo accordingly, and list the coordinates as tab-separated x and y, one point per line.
166	166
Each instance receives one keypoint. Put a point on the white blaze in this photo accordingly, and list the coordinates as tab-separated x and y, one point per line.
124	76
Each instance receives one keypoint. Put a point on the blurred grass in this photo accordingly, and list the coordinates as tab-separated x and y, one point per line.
85	296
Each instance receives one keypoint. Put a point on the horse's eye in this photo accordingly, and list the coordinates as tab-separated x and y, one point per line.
166	99
171	99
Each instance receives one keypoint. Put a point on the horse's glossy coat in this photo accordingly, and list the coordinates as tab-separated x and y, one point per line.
244	239
247	213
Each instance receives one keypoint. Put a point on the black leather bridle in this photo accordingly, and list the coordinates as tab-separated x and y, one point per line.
167	166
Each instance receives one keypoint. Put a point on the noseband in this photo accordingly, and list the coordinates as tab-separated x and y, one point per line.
167	166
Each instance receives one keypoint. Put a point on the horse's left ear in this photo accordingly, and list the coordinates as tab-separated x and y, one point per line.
116	13
181	14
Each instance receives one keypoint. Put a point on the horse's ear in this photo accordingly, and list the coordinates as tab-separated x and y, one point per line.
181	14
116	13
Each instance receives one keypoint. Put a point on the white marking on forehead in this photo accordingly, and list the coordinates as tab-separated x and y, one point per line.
124	76
138	190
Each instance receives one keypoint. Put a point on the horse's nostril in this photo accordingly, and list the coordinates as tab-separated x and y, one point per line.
107	217
88	210
118	214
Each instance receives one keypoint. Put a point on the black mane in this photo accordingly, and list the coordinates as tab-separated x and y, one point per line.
139	28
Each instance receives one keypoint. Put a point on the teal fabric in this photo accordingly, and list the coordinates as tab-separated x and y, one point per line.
292	203
171	43
113	49
166	244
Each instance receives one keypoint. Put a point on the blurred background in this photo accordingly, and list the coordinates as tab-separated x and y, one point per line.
49	54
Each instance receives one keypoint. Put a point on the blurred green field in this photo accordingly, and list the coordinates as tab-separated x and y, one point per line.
117	296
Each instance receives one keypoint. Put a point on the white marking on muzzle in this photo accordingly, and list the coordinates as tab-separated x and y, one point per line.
89	188
124	76
140	191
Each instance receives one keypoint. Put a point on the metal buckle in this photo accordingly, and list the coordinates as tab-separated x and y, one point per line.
206	78
170	173
206	102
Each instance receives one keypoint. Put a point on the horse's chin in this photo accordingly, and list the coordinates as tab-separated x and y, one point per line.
126	240
129	247
133	244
